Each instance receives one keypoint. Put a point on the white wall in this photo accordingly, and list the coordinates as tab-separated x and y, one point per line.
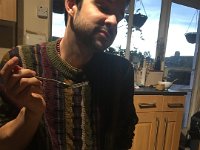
32	22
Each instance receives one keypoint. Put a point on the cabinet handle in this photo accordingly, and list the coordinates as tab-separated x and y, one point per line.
147	105
156	137
165	127
175	105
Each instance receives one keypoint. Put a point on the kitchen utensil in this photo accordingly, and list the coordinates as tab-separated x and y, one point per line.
66	85
167	83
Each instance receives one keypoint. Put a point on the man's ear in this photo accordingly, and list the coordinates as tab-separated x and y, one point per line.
69	4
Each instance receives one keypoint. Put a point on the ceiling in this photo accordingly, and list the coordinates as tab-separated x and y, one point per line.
189	3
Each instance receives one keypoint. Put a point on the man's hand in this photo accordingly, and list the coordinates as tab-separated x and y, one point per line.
21	87
24	90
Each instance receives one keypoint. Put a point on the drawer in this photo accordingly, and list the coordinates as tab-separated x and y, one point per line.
148	103
173	103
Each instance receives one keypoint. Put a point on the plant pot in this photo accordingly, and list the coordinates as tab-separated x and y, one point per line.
191	37
138	20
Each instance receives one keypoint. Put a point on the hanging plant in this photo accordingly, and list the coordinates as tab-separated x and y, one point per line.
191	37
138	20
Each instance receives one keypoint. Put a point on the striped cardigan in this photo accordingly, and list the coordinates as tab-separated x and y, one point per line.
99	116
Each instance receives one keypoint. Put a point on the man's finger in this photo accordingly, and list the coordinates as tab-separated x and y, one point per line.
7	69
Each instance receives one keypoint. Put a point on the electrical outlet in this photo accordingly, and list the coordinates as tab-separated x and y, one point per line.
42	12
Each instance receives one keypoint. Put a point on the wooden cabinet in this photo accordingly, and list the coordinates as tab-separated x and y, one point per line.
8	10
8	30
146	131
8	23
160	119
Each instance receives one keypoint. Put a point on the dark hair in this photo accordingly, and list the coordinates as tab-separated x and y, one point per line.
79	4
65	17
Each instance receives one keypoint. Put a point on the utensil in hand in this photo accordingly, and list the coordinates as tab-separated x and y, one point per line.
66	85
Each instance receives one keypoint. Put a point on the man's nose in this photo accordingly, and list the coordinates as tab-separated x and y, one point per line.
111	20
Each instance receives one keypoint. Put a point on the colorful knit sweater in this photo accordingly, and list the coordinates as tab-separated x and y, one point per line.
99	116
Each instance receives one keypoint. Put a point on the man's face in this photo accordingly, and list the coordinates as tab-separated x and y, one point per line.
95	24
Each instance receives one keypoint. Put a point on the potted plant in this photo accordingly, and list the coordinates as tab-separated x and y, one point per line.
138	20
191	37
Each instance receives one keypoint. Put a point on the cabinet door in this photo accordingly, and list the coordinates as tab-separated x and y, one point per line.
170	129
173	108
8	10
146	131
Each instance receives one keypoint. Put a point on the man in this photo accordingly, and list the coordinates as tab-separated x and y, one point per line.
44	114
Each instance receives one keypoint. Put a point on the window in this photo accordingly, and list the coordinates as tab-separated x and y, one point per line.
182	20
58	25
179	54
144	39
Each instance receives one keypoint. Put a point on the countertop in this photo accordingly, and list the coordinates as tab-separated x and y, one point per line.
153	91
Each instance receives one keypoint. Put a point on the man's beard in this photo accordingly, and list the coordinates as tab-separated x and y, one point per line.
86	33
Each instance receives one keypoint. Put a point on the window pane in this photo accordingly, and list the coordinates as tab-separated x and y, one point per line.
58	25
179	55
179	52
145	40
183	19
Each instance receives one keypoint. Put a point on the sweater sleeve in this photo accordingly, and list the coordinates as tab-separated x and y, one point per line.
127	115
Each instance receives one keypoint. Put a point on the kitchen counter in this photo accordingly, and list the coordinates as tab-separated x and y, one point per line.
153	91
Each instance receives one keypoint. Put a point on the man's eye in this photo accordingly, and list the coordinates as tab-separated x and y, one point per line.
103	9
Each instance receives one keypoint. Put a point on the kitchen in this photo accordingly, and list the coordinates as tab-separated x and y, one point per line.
29	30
